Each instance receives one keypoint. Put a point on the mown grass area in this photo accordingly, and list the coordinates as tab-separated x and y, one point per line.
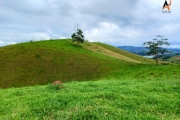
125	53
43	62
118	99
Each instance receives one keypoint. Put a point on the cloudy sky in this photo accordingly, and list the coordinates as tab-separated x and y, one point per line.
115	22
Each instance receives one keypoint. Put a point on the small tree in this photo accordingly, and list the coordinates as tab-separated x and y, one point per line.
78	36
158	45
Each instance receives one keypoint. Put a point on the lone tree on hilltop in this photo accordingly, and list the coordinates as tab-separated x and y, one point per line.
157	46
78	36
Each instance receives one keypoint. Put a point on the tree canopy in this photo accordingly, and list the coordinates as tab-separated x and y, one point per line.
157	46
78	36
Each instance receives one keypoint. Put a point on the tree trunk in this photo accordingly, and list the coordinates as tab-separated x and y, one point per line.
157	62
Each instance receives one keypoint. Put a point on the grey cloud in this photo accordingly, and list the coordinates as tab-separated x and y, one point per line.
110	8
112	11
30	7
116	22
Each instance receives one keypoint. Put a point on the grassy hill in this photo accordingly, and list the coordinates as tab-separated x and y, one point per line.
126	54
108	52
147	98
120	87
174	59
43	62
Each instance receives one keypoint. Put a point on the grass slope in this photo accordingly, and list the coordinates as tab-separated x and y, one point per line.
127	54
102	50
149	72
124	99
43	62
125	90
175	59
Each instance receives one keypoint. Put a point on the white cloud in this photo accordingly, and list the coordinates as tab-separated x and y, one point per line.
36	36
2	43
116	22
170	28
114	34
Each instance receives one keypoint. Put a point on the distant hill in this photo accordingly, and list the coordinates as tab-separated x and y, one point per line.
43	62
174	59
139	50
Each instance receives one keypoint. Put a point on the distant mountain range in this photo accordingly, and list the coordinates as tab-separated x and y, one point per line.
140	50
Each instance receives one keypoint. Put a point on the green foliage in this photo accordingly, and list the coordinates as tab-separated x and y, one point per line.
78	36
158	45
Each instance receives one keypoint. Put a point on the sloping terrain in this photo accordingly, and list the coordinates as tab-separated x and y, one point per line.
174	59
43	62
126	54
124	99
125	90
105	51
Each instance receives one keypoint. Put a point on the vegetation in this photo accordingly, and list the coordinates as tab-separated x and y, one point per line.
43	62
102	50
174	59
140	50
126	54
78	36
118	89
157	46
152	97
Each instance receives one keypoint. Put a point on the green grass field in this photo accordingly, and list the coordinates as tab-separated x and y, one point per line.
95	85
120	99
